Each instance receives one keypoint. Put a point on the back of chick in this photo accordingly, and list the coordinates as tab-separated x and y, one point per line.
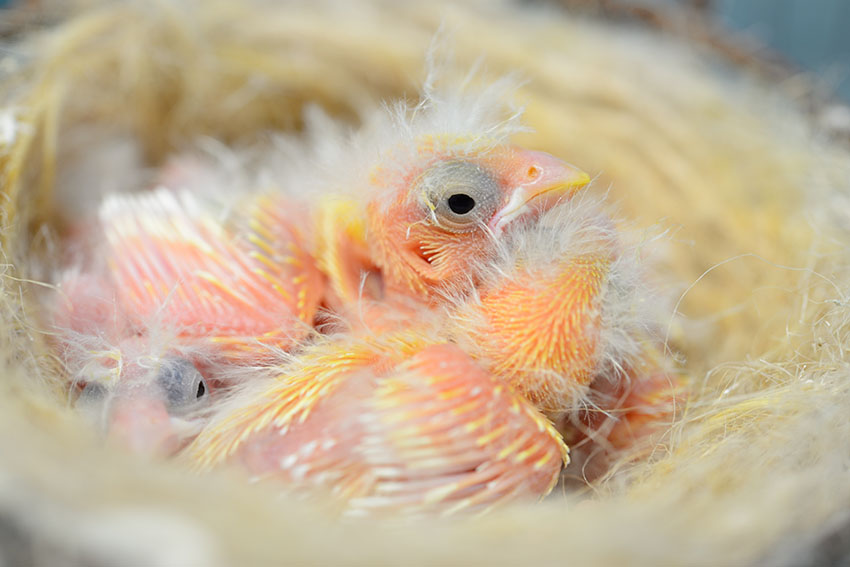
390	423
240	279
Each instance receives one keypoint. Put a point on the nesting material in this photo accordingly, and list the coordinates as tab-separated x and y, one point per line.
753	199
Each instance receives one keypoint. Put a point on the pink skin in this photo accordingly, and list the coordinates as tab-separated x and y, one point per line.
86	305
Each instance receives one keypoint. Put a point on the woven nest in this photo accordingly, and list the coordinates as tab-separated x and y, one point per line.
753	196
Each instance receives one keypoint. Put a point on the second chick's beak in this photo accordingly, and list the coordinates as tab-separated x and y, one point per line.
540	180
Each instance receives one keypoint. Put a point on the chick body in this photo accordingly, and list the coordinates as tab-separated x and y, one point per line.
397	421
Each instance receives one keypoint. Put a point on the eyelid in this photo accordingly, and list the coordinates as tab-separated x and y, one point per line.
178	378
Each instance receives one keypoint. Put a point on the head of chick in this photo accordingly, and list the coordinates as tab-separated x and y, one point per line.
146	402
444	211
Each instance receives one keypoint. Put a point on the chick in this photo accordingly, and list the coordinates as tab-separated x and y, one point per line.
179	288
394	422
141	389
148	400
443	184
451	215
468	256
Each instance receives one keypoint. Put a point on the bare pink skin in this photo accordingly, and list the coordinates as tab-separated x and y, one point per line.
86	304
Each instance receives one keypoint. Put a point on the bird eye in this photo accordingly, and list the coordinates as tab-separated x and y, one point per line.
461	194
460	203
184	387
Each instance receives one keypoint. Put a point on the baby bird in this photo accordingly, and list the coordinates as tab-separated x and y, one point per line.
541	287
140	387
226	284
555	324
395	422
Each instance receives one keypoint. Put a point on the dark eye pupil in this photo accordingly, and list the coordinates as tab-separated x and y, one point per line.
460	203
201	390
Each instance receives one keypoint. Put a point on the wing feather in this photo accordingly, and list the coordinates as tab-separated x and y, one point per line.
419	429
248	278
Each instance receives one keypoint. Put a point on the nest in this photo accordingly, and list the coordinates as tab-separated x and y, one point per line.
753	195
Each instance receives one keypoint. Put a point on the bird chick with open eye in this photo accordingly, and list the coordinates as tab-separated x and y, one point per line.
390	415
550	299
443	185
482	301
395	422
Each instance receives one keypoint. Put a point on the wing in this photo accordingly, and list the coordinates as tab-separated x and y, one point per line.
247	427
432	433
244	279
441	435
542	330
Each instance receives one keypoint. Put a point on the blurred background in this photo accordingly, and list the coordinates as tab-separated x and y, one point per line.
811	34
797	35
803	35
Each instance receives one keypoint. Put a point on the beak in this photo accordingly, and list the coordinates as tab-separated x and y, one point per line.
143	426
546	181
